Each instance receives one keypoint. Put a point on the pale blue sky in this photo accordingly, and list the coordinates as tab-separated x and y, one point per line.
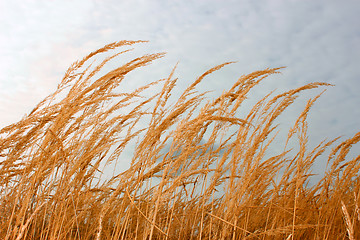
318	40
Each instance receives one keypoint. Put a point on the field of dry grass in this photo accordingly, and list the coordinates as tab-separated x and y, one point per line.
198	171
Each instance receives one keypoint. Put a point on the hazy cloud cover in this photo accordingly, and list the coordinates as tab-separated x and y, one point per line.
317	41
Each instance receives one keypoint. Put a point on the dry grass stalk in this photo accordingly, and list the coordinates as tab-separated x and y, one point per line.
349	225
198	170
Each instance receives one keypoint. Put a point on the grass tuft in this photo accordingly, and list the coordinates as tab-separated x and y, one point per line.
198	170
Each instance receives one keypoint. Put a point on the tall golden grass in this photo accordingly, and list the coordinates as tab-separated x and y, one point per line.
198	171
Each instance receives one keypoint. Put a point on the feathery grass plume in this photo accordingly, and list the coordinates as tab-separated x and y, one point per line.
198	170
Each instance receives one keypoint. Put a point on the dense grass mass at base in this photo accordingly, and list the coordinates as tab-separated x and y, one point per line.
198	170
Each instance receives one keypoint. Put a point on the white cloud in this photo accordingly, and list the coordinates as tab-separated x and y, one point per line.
317	40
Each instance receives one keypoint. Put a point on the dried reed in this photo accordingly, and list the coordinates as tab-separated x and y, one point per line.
198	171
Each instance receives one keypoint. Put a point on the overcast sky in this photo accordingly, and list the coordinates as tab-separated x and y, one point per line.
317	40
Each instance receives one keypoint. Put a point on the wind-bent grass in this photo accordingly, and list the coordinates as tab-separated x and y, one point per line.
198	171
